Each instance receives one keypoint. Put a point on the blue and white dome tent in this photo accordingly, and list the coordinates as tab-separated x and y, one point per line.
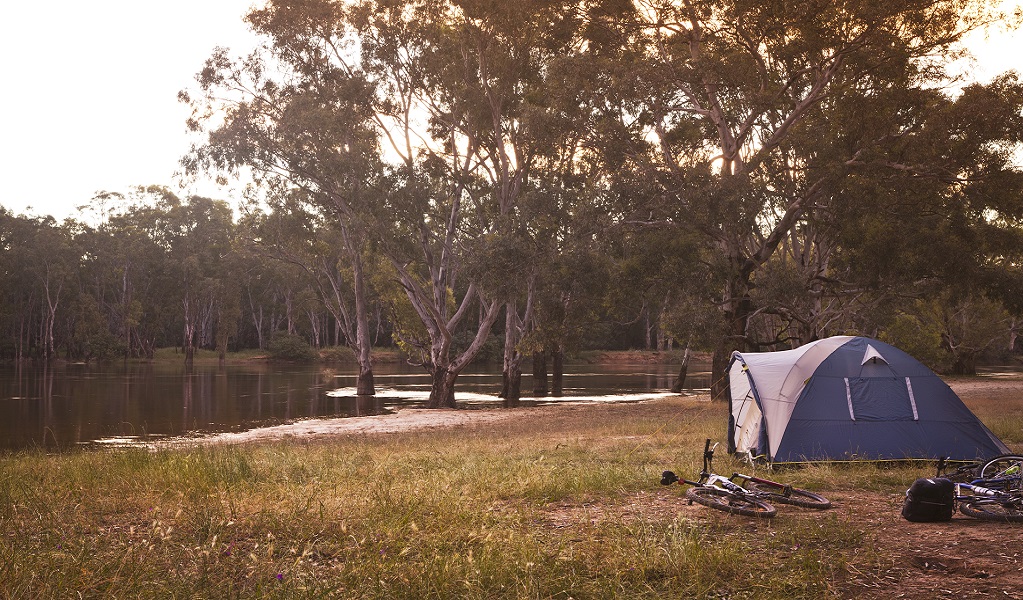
848	398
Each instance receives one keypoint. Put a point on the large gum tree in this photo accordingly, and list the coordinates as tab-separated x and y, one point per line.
725	91
296	120
455	89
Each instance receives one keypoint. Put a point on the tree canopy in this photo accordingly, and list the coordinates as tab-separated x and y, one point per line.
722	174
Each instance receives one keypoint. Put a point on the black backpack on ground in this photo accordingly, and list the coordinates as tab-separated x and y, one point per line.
929	499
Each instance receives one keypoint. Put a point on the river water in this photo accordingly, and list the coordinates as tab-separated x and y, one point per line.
63	406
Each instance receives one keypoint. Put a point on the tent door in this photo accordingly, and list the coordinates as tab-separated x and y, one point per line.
747	435
880	399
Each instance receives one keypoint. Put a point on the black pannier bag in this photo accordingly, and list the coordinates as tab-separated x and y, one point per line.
929	499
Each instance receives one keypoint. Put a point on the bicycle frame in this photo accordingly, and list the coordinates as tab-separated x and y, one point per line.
712	490
976	490
992	484
786	489
708	477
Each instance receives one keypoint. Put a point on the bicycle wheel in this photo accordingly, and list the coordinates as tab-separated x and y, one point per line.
1006	465
991	509
796	496
730	502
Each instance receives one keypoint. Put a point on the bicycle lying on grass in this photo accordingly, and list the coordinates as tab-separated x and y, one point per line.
992	490
752	497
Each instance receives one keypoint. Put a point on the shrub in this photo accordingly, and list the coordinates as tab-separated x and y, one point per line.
285	346
337	354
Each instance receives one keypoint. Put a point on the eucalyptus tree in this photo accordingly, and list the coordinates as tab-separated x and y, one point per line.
425	77
724	85
126	270
477	74
944	228
526	141
305	240
257	298
46	263
196	236
22	306
296	118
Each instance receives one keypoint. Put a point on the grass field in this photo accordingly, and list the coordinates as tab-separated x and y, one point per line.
560	502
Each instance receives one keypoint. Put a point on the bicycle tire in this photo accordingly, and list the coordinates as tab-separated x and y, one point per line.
990	509
995	467
796	497
731	502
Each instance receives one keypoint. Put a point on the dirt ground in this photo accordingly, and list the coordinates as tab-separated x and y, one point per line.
964	558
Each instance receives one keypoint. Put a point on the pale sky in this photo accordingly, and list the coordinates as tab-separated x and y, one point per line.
90	96
89	101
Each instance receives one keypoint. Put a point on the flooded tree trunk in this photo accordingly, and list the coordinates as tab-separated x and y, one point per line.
513	384
540	388
557	381
442	392
680	381
511	378
364	385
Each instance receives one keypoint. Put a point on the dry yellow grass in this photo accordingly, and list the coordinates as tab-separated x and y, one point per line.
555	502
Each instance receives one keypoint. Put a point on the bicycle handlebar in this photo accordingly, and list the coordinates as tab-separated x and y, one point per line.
708	455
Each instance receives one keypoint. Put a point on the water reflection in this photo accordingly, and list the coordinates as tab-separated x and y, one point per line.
65	405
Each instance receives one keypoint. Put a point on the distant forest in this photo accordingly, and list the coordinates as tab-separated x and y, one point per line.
159	271
464	178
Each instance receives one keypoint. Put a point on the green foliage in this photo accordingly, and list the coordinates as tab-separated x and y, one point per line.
567	157
950	334
337	354
291	347
491	352
918	337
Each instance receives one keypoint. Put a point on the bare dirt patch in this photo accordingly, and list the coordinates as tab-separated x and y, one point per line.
963	558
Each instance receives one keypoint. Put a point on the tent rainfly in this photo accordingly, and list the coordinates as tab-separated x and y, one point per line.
848	398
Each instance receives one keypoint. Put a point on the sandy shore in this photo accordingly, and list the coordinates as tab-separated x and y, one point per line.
412	419
402	420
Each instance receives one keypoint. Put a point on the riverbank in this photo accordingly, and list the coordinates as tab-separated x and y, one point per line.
388	356
985	394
